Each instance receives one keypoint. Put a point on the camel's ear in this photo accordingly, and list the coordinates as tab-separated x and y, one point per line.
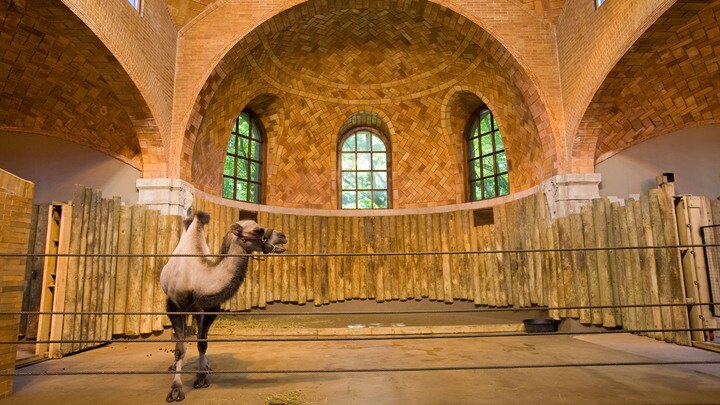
203	217
236	229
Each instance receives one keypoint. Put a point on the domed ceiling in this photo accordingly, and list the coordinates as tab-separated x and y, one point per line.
324	62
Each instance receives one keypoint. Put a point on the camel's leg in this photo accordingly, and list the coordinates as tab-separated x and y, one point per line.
178	323
203	323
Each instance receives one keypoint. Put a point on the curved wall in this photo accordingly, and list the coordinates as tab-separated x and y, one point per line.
417	72
55	166
692	154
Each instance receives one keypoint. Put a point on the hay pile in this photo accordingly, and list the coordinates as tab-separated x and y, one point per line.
290	398
232	326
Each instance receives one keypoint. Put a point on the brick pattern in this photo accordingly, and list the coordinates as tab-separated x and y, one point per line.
547	9
590	42
145	44
182	11
63	82
209	45
408	90
669	80
15	210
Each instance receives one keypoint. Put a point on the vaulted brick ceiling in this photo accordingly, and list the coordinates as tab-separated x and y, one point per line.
183	11
668	80
58	79
325	62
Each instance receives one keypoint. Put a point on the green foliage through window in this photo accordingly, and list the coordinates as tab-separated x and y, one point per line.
364	181
487	162
242	172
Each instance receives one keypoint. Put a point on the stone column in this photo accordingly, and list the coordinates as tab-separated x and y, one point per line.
169	196
567	193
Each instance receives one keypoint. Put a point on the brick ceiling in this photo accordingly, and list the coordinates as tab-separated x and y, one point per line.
668	80
58	79
183	11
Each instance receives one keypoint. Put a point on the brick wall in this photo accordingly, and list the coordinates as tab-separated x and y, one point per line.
210	38
667	81
590	42
144	43
407	69
16	197
62	81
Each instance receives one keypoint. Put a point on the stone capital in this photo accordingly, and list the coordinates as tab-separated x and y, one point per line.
567	193
169	196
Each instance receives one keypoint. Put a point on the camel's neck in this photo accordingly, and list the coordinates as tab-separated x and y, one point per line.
223	279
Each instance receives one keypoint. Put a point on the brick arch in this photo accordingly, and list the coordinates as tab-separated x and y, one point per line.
667	81
368	118
453	15
524	149
63	82
209	153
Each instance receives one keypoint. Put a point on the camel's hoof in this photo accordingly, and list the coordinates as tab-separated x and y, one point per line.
176	394
202	381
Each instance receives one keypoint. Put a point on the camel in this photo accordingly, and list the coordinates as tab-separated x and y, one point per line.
202	284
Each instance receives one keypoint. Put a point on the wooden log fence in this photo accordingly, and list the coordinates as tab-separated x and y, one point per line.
594	278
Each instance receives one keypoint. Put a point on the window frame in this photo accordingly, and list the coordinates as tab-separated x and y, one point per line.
139	5
253	119
469	181
388	162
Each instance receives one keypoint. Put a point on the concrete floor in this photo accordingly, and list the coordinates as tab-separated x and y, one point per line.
634	384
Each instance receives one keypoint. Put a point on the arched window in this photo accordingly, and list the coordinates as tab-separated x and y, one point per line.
364	170
242	177
487	163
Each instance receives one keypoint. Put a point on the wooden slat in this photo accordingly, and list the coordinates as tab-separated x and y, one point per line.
381	268
442	273
580	267
421	241
674	276
99	271
600	222
137	240
593	276
662	260
163	246
121	278
554	281
443	224
650	270
642	294
90	266
343	229
320	264
633	261
148	270
570	292
411	234
332	261
109	275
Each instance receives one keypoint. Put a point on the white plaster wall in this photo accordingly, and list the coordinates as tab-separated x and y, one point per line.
55	166
692	154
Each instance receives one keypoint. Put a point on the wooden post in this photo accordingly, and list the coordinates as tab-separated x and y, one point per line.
580	267
137	240
591	260
674	277
566	265
90	266
662	259
121	278
650	268
98	271
300	269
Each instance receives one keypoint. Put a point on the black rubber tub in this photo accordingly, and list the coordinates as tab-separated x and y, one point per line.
540	325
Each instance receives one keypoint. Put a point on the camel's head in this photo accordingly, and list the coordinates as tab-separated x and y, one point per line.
272	239
248	234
